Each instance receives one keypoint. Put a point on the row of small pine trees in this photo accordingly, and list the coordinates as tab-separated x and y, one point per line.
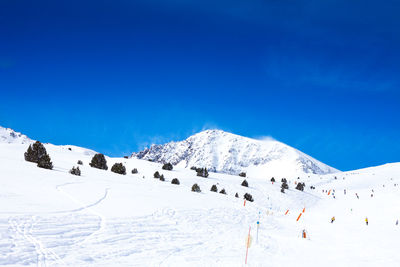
37	153
300	186
196	187
247	196
100	162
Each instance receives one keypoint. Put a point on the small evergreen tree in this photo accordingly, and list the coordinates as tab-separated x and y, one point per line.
156	175
236	195
162	179
35	152
75	171
196	188
273	179
193	168
175	181
284	180
45	162
222	191
285	185
80	162
99	162
214	188
167	166
202	172
300	186
118	168
134	171
245	183
248	197
242	174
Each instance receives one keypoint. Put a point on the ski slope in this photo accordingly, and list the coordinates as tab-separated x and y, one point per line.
53	218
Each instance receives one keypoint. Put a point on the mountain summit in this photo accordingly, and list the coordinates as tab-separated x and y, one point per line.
10	136
229	153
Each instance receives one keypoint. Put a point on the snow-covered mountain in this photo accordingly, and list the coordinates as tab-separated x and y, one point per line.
10	136
229	153
101	218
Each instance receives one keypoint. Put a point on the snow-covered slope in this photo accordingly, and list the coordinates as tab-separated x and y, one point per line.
8	135
53	218
229	153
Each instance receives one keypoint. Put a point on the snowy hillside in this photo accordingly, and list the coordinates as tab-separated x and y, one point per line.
53	218
8	135
229	153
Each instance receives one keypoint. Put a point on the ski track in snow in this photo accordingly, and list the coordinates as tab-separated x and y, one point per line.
190	235
23	227
88	208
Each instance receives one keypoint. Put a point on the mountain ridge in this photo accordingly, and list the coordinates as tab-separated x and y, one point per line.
226	152
8	135
220	151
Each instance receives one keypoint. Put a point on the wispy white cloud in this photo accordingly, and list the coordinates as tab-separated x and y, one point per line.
265	138
210	126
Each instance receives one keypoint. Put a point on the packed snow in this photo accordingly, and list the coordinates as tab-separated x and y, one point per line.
53	218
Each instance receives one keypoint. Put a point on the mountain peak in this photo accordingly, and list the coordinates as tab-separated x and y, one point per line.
211	132
226	152
9	136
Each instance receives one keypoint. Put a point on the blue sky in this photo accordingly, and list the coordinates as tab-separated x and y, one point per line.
115	76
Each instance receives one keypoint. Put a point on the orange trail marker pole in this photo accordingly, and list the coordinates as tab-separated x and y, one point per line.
329	192
298	218
248	244
286	212
244	203
304	210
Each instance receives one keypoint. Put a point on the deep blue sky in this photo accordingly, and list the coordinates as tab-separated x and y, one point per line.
114	76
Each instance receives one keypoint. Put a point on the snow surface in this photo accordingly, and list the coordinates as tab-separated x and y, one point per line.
53	218
229	153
